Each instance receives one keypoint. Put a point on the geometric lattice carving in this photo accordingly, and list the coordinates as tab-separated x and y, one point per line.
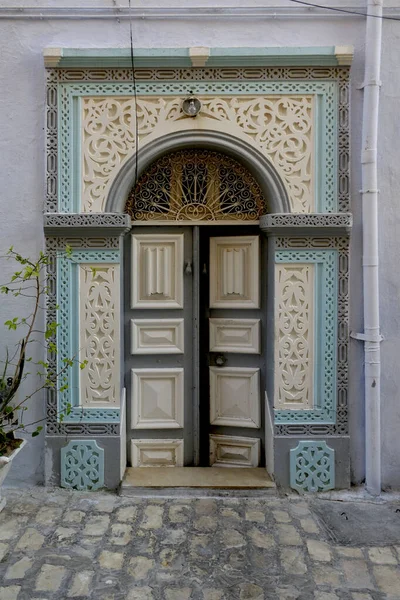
234	272
157	271
235	396
312	467
157	453
157	398
229	451
99	334
196	185
324	319
82	465
294	339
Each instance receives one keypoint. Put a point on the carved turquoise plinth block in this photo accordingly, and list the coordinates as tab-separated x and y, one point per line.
82	465
312	467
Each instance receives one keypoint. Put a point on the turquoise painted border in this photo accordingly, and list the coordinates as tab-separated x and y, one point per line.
68	334
325	336
326	92
218	57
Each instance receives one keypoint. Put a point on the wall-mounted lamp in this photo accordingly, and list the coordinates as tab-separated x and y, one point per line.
191	106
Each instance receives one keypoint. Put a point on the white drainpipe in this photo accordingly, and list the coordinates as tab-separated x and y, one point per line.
371	336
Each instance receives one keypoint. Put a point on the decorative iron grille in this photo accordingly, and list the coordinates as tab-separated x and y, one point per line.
196	185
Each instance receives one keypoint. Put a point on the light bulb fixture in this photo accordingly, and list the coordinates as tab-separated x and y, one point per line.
191	106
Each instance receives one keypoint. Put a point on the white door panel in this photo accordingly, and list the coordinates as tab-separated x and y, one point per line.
157	262
239	336
157	336
235	397
234	272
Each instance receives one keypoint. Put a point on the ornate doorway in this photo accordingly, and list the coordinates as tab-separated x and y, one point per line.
195	314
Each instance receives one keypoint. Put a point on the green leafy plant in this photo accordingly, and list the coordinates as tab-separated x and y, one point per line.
28	281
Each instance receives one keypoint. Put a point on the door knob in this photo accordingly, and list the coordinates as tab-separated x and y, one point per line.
220	360
188	268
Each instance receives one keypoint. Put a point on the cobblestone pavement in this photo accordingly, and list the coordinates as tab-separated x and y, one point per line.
63	544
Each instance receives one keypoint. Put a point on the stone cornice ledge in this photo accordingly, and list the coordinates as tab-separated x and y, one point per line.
86	224
199	57
307	224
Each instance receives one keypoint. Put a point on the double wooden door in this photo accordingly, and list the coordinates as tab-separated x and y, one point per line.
194	333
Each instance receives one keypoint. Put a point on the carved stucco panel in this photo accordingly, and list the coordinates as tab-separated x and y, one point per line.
294	288
281	127
99	334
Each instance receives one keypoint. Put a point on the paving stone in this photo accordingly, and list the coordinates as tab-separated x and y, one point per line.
293	561
261	539
111	560
229	513
9	593
356	574
97	525
48	515
152	517
127	514
178	514
326	575
65	533
105	504
388	580
121	534
349	552
382	556
200	546
282	516
73	516
319	550
288	536
9	529
178	593
19	568
251	591
205	524
50	578
139	566
174	536
232	538
140	593
300	509
325	596
361	596
288	592
81	584
205	507
309	525
31	540
3	550
255	515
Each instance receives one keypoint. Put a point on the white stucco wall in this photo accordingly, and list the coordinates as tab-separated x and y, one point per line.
22	146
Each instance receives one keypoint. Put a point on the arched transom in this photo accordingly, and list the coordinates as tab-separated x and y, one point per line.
198	186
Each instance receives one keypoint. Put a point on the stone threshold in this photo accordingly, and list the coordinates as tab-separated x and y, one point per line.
203	478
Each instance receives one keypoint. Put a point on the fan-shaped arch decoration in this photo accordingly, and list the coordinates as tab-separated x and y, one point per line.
196	185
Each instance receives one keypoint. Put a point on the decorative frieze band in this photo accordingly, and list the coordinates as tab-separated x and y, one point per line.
93	224
311	224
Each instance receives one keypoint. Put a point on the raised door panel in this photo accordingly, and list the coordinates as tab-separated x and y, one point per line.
234	451
235	396
157	276
234	268
157	398
157	336
157	453
238	336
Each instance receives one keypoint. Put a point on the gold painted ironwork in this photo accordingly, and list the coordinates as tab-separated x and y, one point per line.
196	185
